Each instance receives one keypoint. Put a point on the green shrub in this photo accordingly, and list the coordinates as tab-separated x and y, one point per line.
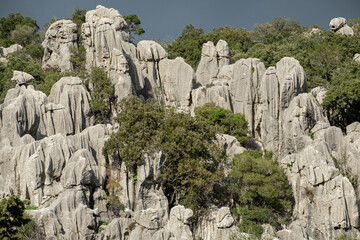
260	190
12	217
102	94
224	121
190	167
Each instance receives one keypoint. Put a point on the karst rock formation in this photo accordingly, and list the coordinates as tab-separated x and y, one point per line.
51	150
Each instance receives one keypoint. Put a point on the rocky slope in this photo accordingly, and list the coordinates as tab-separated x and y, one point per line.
51	150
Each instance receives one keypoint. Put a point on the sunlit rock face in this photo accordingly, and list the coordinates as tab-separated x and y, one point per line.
60	41
339	25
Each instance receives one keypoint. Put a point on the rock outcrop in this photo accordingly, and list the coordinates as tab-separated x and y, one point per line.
60	41
51	153
339	25
21	78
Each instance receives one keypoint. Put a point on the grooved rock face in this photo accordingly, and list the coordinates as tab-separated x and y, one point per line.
178	79
60	40
104	29
212	59
72	113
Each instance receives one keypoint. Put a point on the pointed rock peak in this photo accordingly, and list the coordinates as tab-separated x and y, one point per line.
223	49
209	49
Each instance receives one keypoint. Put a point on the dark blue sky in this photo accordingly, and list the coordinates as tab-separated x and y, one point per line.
164	19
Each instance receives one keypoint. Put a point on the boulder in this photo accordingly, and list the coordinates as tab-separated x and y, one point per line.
212	59
21	77
60	41
4	52
244	86
151	51
105	29
339	25
219	94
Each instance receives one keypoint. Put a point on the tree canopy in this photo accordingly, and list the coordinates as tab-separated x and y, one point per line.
134	22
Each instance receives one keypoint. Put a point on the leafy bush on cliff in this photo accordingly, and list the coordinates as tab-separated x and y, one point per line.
102	94
260	190
224	121
15	223
191	166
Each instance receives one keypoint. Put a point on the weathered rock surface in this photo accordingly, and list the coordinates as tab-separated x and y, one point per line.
178	79
51	153
218	224
212	59
357	57
4	52
60	40
21	77
104	29
339	25
72	114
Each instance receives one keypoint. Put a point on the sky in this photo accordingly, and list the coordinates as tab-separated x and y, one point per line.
165	19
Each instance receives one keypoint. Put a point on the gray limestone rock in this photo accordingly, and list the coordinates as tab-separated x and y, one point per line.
60	40
357	57
339	25
244	86
177	79
21	77
217	224
212	59
4	52
105	29
73	113
21	114
218	94
180	218
150	51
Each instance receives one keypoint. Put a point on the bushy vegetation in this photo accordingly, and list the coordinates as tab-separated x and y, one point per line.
325	56
192	171
191	166
260	191
15	223
224	121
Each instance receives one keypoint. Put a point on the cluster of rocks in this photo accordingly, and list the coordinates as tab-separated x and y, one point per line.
4	52
51	150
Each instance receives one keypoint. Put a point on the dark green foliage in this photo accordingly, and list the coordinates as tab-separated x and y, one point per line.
9	24
11	217
279	29
342	103
224	121
188	45
23	34
190	152
102	96
260	190
138	126
134	23
191	158
78	17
